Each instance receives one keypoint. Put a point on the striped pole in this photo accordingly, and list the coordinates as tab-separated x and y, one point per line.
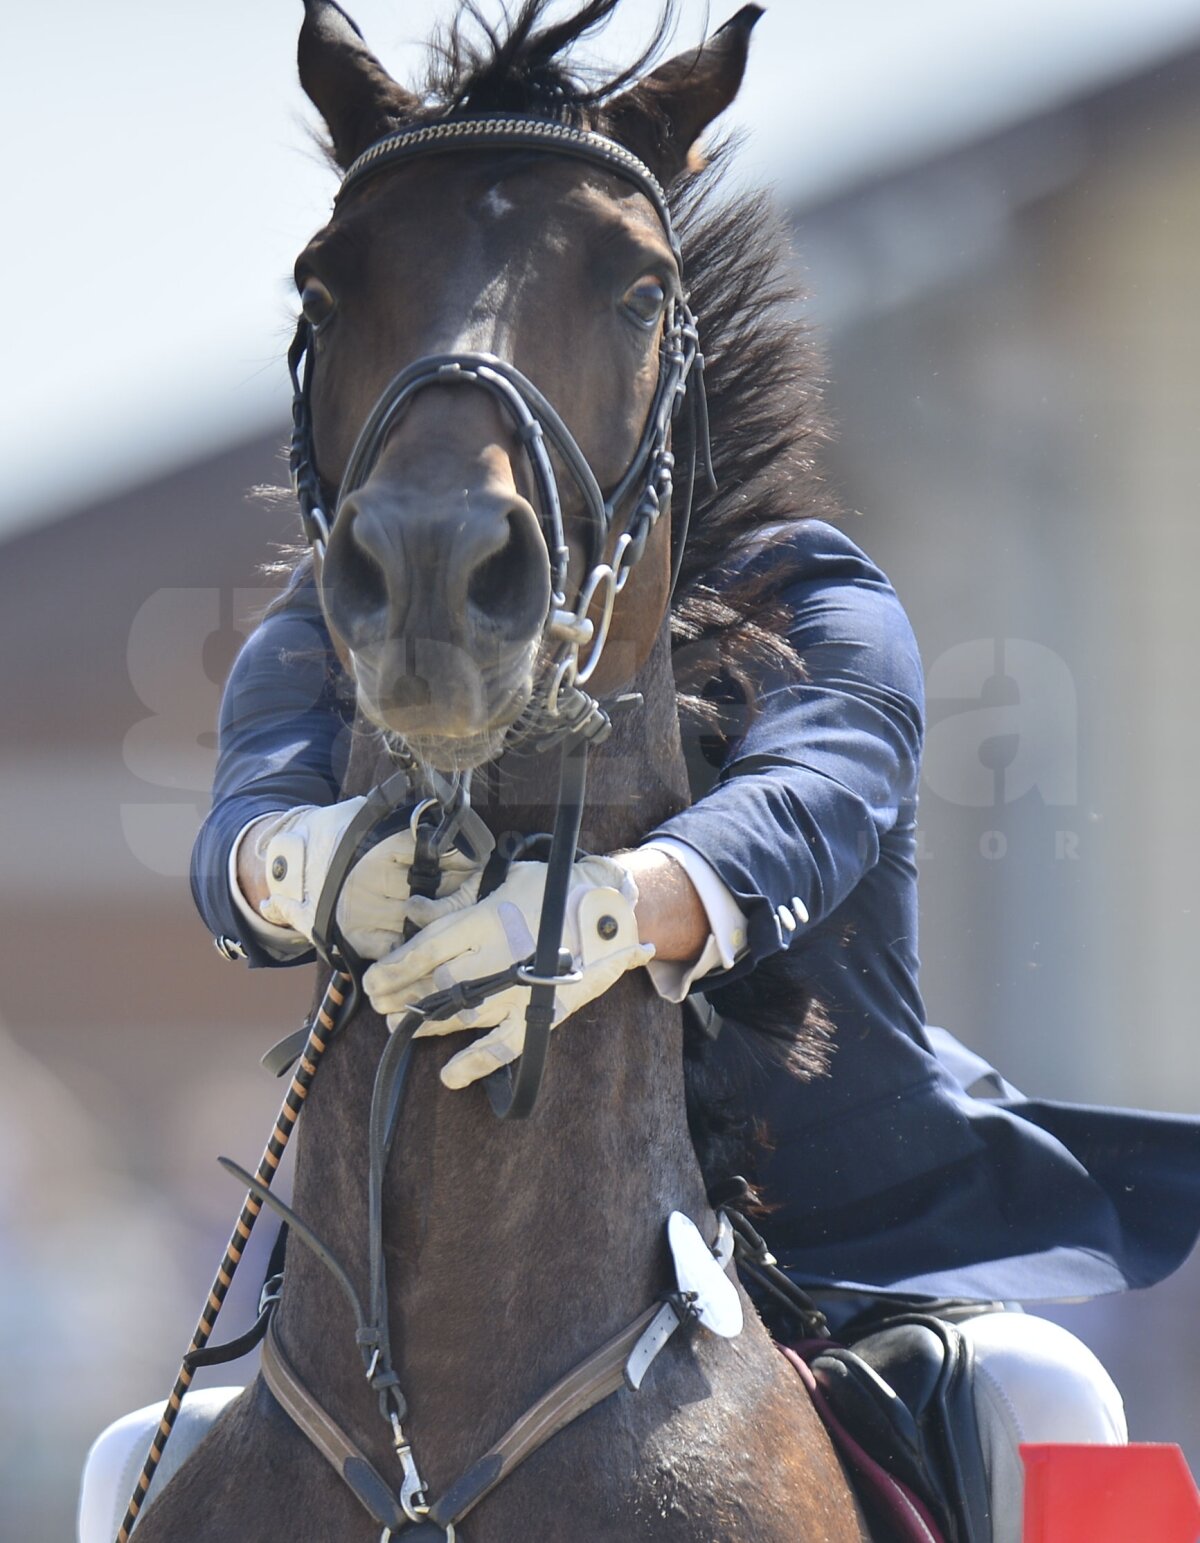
319	1035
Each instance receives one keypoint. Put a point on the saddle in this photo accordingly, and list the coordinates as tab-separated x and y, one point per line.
894	1392
902	1389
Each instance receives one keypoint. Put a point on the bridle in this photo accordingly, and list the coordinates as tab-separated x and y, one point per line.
573	643
561	713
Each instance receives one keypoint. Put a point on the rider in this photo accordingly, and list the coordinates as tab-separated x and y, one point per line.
885	1176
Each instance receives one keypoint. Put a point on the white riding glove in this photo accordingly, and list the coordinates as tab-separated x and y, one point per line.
297	848
463	941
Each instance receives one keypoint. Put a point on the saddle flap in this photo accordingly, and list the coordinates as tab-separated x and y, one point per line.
905	1391
870	1408
914	1361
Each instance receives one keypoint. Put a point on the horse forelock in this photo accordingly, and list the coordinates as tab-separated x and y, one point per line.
524	66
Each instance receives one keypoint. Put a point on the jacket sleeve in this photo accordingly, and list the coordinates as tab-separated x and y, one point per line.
283	741
828	764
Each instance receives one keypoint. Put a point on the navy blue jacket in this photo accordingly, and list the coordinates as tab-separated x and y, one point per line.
886	1173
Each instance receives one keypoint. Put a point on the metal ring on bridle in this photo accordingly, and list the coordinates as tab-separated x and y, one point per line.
528	977
606	578
419	812
562	677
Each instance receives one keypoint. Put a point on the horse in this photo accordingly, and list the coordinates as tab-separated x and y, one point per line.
490	256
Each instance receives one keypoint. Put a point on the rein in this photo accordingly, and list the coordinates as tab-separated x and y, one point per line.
561	713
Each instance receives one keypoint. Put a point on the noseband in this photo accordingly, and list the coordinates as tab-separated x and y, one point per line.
560	706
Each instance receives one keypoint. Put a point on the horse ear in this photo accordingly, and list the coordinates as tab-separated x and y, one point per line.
663	116
358	99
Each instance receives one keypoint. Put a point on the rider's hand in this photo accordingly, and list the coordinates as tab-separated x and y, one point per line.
296	849
462	940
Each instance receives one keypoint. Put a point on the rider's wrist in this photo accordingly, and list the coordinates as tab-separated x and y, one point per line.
247	867
726	942
670	915
248	884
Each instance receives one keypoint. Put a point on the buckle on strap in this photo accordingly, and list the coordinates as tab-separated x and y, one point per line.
424	1531
412	1488
705	1294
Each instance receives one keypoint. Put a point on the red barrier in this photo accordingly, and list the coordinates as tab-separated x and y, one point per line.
1093	1494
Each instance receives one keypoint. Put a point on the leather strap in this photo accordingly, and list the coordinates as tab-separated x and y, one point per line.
511	131
512	1096
283	1055
368	1484
379	803
386	1095
233	1349
592	1381
658	1331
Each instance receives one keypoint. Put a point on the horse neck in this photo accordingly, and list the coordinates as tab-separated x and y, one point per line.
548	1230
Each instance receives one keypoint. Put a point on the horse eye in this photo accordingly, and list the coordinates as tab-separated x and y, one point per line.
646	300
316	302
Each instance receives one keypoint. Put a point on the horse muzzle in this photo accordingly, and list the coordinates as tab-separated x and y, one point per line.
440	598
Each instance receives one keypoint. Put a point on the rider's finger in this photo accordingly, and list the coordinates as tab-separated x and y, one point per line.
482	1058
437	944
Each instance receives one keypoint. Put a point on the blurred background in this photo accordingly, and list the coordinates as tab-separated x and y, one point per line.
997	215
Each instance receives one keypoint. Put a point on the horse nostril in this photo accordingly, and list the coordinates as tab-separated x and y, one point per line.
355	583
509	589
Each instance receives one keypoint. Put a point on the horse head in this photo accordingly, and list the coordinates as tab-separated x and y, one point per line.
457	308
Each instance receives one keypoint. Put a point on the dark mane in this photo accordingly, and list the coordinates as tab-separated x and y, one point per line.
763	378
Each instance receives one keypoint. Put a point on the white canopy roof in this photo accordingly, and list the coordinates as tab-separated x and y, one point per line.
160	181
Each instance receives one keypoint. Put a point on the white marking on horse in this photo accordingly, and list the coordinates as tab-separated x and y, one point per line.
495	204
